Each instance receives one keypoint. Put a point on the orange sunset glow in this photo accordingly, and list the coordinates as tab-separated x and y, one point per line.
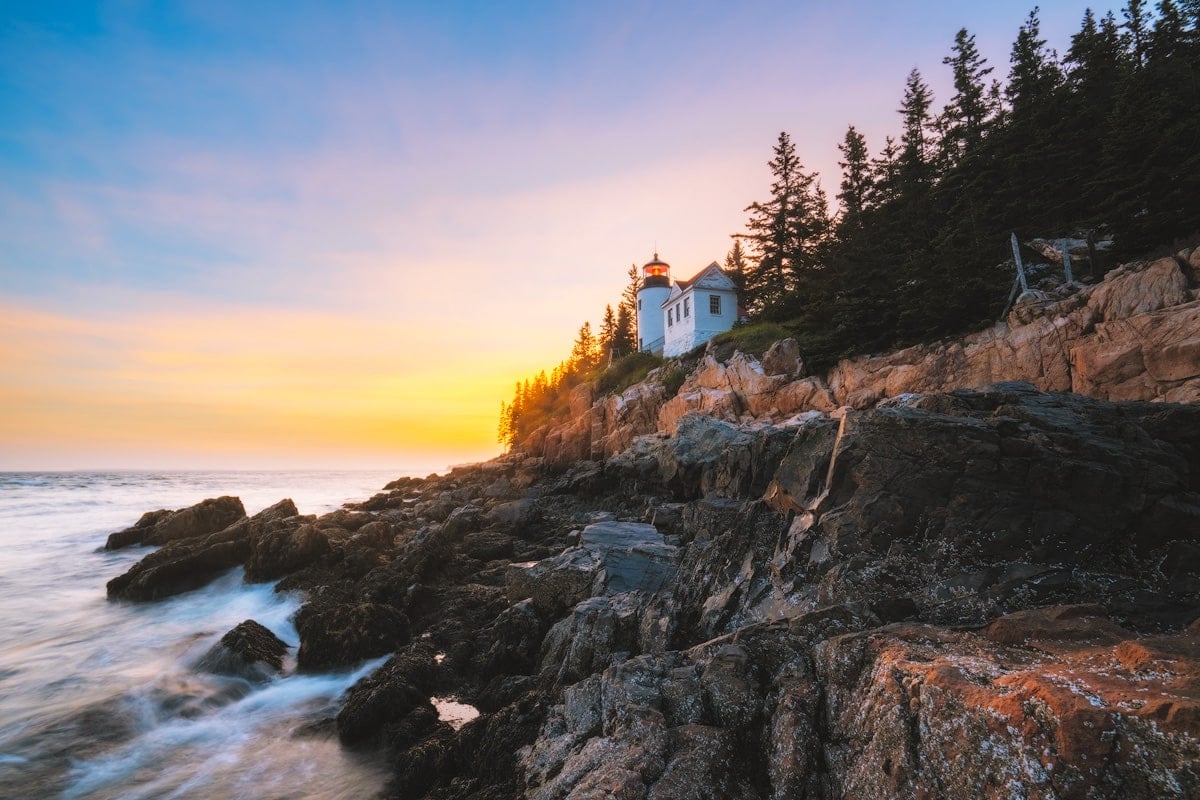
262	236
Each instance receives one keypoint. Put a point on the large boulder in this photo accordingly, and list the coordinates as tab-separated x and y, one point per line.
278	552
160	527
249	650
185	564
334	635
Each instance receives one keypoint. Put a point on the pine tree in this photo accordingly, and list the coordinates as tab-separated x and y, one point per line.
856	179
629	302
608	333
1035	76
966	115
1135	30
624	338
584	354
786	233
915	140
736	264
885	175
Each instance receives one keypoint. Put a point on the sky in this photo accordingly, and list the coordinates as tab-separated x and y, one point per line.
273	235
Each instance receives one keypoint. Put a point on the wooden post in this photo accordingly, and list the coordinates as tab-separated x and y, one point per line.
1066	251
1016	248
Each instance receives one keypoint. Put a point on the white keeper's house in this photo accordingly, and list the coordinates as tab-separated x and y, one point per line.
676	316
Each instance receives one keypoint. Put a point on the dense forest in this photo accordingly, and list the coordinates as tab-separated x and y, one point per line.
1104	139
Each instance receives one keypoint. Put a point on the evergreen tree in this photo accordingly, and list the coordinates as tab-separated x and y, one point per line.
624	338
856	180
785	232
884	185
1135	26
967	113
736	264
629	302
1035	76
608	334
585	353
915	140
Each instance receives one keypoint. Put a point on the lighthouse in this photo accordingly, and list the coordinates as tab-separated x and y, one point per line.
656	287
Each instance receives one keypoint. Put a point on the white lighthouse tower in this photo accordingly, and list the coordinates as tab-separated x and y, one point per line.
656	287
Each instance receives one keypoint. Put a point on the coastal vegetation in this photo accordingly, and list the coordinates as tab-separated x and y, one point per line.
1099	141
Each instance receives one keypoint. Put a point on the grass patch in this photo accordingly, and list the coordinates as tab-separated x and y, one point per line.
672	380
753	339
626	371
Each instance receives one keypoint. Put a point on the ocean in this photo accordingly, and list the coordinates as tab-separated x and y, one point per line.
100	699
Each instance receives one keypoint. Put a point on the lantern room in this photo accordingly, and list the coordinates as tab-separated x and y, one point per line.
656	273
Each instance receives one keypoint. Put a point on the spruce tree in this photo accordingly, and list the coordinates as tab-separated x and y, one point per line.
966	115
736	264
608	333
915	140
785	232
856	180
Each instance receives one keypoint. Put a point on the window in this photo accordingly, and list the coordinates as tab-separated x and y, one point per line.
670	321
687	306
639	304
714	305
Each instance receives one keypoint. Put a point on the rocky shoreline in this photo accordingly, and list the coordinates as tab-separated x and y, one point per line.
975	593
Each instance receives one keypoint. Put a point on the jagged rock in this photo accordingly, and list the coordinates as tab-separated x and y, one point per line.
248	651
276	553
708	457
587	639
339	635
186	564
514	515
487	545
346	519
611	557
462	520
160	527
513	640
554	583
783	358
1056	720
400	688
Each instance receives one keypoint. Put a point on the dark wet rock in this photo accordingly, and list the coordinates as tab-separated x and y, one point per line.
510	644
389	697
588	639
487	545
176	568
709	457
275	553
611	557
346	519
187	564
160	527
555	583
248	651
461	521
340	635
515	515
634	556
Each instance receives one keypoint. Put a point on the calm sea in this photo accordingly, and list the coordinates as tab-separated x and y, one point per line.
99	699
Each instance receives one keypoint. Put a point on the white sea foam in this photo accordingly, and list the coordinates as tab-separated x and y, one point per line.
98	699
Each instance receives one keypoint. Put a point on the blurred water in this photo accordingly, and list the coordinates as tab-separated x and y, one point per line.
99	700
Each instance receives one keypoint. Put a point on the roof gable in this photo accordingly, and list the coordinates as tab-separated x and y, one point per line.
712	278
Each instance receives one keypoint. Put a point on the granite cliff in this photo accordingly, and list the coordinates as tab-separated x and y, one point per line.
872	583
1133	336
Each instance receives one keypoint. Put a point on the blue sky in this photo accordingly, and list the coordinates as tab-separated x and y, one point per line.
452	188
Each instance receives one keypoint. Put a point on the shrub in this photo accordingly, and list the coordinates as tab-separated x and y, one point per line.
753	339
626	371
672	380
